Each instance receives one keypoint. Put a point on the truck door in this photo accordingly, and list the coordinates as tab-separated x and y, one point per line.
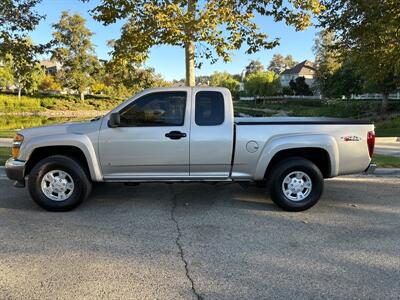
211	137
152	140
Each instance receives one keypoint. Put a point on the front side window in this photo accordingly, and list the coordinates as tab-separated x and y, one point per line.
209	108
157	109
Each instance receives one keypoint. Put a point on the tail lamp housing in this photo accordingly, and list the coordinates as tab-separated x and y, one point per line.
371	142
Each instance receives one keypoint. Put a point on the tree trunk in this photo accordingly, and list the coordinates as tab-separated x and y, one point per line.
385	101
82	97
189	58
19	93
189	46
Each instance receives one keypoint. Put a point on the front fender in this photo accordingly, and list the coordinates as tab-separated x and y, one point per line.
77	140
279	143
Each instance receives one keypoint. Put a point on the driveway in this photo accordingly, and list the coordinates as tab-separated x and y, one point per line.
197	241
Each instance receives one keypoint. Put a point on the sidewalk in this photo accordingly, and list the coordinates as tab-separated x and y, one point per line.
389	146
5	142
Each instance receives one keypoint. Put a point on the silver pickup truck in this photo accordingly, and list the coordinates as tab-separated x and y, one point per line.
186	135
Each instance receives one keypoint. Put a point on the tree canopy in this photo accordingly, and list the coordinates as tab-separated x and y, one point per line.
262	83
300	87
214	27
17	17
127	78
74	50
367	33
227	80
21	67
336	75
17	52
254	66
279	63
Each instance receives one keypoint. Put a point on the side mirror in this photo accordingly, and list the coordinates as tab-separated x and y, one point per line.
114	121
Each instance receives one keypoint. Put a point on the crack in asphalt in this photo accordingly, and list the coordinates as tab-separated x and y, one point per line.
180	248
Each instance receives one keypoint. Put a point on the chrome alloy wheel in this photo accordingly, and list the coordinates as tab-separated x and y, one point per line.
297	186
57	185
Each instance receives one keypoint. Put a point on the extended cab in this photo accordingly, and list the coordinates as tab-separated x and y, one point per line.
184	135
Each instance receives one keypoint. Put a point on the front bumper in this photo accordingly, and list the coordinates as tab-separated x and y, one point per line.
371	169
15	169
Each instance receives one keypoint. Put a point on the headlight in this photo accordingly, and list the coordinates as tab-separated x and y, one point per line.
18	139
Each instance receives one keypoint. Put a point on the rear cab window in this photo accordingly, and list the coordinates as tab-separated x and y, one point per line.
209	108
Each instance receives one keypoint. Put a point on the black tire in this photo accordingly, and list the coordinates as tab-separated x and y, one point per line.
82	184
287	167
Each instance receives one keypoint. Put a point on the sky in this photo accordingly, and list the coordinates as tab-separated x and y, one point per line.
169	60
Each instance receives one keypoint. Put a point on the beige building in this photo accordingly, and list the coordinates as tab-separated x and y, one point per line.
304	69
50	67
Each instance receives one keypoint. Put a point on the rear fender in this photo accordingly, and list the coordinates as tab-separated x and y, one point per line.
279	143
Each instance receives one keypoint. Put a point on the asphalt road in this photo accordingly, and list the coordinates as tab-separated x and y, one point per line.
192	241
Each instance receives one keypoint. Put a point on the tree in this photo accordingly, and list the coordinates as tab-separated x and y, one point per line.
224	79
300	87
17	18
35	79
203	80
190	23
336	75
125	78
279	63
263	83
25	72
327	60
6	72
74	50
49	83
367	33
253	67
345	82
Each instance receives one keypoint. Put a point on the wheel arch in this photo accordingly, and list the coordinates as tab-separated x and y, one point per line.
322	150
78	147
318	156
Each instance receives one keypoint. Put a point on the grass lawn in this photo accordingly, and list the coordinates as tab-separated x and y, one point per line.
7	133
5	154
11	103
388	128
383	161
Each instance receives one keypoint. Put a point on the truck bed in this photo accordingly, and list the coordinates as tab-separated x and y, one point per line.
298	121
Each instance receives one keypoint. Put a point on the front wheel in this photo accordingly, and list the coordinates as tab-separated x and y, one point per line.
296	184
58	183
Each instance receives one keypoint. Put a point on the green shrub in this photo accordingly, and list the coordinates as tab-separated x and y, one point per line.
11	103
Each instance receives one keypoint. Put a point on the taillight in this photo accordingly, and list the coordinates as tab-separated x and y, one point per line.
371	142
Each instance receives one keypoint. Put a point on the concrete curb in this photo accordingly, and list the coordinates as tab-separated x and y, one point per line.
387	139
5	142
386	172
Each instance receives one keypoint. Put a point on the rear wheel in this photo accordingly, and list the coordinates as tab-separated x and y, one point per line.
58	183
296	184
